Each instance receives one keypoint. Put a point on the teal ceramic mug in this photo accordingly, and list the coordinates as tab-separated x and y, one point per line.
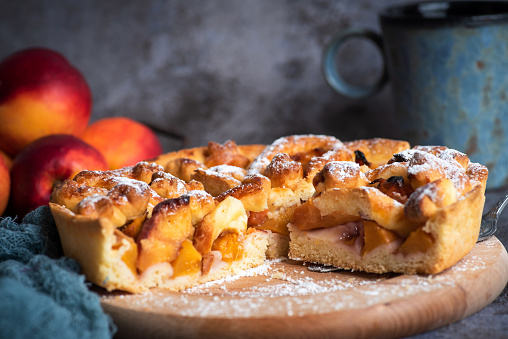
447	63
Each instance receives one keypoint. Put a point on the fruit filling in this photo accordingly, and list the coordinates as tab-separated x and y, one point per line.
188	261
365	237
229	246
395	187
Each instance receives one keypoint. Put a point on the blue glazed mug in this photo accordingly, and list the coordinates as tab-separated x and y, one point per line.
448	66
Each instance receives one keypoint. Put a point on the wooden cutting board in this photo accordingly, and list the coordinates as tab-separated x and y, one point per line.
282	299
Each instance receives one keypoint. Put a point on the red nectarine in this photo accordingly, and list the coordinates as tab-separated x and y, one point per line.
44	164
7	159
41	93
122	141
5	185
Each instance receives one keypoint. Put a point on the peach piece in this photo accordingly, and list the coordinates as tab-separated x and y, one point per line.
188	261
133	226
229	246
122	141
418	241
375	236
130	256
41	94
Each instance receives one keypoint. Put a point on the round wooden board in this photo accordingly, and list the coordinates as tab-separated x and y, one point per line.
282	299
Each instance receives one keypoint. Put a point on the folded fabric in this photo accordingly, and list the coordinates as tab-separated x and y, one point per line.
42	293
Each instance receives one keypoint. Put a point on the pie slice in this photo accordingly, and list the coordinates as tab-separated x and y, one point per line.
420	212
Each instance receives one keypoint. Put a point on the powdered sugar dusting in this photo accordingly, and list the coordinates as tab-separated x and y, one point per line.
91	200
222	175
139	186
177	184
451	155
405	155
286	288
345	170
283	291
282	145
279	281
232	171
426	162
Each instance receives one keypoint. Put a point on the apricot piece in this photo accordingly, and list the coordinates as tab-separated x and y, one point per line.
188	261
363	203
229	246
418	241
375	236
130	255
133	226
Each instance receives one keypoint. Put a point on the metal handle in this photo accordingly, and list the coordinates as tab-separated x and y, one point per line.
489	220
332	75
498	208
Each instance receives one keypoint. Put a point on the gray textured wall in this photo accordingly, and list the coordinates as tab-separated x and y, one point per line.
212	70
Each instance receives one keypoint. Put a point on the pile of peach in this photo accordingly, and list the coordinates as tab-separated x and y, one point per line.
45	131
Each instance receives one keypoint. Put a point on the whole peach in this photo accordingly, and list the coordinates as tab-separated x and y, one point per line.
41	93
122	141
44	164
5	185
7	159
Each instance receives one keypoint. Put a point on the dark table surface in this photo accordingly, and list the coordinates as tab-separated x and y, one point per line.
492	321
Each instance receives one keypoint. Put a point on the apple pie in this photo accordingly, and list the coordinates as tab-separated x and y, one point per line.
200	214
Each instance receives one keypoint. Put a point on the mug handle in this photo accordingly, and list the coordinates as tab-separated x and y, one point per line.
332	75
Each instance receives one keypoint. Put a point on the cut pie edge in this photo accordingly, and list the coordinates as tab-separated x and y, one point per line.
107	256
454	230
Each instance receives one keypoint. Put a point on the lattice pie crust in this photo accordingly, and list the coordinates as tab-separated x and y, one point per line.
201	214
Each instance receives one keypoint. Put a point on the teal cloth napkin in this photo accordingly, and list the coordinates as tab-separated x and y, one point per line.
42	293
